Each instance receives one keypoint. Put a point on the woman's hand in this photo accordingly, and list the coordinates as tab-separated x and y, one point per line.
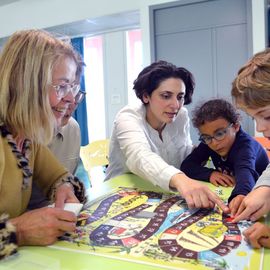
197	195
235	204
43	226
221	179
65	194
254	205
258	235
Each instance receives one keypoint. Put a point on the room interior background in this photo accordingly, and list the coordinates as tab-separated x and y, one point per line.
121	37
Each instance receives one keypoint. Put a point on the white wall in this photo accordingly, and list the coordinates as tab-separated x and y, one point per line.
259	26
46	13
25	14
115	77
259	31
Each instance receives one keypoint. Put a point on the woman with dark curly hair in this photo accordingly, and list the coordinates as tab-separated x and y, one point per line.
238	159
152	140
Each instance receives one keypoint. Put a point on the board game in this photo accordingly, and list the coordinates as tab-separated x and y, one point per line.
158	228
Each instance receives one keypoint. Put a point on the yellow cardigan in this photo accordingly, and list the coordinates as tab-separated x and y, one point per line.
46	171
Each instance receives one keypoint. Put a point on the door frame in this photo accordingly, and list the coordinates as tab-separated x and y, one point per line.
154	8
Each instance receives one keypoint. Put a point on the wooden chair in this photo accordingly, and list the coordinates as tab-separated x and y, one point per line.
265	143
95	154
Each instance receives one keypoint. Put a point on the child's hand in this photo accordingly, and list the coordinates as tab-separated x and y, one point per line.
235	204
255	204
221	179
258	235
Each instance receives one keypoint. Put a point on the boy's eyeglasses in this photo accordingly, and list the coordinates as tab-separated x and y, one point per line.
79	97
218	135
62	90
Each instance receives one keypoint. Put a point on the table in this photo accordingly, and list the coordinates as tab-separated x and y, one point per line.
46	258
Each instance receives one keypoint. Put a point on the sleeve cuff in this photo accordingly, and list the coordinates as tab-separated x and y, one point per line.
79	189
168	174
264	182
8	240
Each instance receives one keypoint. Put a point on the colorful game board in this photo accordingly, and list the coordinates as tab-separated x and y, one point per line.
158	229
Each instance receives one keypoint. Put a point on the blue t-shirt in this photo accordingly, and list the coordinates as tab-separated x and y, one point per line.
246	161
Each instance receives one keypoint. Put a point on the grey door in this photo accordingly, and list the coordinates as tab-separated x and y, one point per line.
210	38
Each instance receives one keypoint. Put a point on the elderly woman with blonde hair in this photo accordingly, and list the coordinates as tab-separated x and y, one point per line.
36	71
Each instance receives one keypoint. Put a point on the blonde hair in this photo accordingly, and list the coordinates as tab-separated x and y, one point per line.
26	65
251	87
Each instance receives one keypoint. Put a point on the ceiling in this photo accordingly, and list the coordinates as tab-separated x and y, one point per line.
6	2
93	26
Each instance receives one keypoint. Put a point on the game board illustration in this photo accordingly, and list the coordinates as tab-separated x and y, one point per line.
159	229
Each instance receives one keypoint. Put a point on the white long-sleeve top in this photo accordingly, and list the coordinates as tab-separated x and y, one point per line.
136	147
264	179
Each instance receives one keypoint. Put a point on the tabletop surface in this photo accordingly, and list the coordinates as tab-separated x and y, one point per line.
54	259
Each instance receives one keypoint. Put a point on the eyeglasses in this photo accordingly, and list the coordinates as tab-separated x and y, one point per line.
218	135
62	90
79	97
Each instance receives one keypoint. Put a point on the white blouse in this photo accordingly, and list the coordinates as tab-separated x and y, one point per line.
136	147
264	179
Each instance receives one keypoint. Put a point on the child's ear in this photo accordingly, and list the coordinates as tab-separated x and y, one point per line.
236	126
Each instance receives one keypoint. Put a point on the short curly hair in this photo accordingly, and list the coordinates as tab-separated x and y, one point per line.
251	87
153	75
212	110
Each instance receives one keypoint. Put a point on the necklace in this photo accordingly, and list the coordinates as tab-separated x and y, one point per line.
223	158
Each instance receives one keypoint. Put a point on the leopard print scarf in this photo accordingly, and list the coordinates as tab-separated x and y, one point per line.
21	156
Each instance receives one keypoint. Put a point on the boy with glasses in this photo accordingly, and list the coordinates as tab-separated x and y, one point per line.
237	158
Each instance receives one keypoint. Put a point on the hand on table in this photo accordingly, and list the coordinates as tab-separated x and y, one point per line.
258	235
43	226
235	204
221	179
196	194
254	205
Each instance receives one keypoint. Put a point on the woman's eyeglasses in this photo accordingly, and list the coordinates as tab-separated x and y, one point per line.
79	97
62	90
218	135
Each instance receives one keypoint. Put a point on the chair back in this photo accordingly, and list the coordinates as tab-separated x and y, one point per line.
95	154
265	144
